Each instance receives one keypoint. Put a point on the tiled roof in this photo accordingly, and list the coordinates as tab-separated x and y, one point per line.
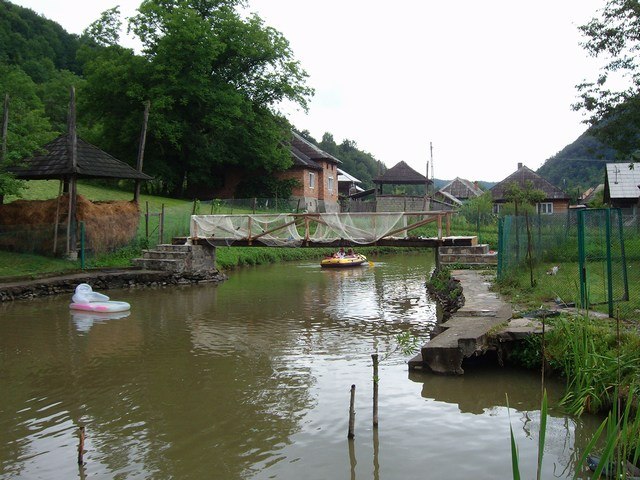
302	160
521	177
448	196
310	150
622	181
91	163
345	177
461	189
401	174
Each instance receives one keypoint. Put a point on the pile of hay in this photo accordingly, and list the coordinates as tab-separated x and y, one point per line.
29	225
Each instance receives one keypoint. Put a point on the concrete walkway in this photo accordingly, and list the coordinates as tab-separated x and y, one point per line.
465	333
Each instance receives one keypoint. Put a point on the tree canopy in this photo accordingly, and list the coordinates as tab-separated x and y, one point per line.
612	100
214	79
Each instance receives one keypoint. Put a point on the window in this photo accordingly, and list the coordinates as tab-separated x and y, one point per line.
330	184
496	208
545	208
312	180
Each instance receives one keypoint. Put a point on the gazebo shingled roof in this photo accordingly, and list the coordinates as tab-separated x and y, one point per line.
401	174
92	163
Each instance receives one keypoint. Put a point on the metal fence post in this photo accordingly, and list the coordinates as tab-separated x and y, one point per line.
609	271
581	260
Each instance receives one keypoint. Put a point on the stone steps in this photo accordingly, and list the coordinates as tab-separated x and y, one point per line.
471	255
178	258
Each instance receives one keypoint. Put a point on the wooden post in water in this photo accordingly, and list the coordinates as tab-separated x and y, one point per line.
81	445
352	413
374	357
352	459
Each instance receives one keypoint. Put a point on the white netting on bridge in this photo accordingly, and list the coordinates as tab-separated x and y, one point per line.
291	230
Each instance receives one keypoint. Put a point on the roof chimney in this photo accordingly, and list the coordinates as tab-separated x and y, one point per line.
519	165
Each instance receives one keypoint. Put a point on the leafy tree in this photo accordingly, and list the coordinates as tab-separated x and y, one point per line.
612	101
528	197
479	210
214	79
28	128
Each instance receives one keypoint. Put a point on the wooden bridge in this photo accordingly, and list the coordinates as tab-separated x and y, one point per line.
324	230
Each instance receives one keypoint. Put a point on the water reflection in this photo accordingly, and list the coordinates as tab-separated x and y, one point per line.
85	320
250	379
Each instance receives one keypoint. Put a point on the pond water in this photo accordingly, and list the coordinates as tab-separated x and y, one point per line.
250	379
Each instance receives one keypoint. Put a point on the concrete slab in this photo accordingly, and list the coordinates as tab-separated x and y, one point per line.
465	333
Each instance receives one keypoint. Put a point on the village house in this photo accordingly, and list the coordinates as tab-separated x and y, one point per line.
455	193
316	173
622	186
555	201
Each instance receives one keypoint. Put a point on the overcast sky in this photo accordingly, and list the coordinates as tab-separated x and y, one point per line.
488	84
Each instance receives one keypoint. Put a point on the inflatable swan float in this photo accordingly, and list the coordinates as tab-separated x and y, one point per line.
89	301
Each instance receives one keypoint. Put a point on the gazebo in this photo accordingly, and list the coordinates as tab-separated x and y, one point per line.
69	158
401	174
54	163
61	160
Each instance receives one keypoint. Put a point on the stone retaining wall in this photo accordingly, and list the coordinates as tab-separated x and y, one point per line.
100	281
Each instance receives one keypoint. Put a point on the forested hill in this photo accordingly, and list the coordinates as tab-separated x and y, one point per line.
35	44
579	164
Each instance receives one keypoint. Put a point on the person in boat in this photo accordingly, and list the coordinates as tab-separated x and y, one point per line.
339	253
351	253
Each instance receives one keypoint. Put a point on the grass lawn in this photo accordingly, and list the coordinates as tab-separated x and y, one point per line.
565	286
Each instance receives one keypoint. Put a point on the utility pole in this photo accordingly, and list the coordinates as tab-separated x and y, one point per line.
432	177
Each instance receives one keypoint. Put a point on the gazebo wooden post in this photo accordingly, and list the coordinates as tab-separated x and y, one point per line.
55	224
5	127
72	146
143	140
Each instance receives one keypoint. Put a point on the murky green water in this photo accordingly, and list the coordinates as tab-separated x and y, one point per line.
250	379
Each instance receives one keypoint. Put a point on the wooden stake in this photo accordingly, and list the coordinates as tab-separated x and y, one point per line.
5	127
374	357
352	412
143	139
72	152
146	222
81	446
57	220
352	459
3	134
161	229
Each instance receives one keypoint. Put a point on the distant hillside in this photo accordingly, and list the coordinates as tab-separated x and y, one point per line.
34	43
579	164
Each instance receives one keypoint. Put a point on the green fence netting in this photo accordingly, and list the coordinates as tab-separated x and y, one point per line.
584	256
